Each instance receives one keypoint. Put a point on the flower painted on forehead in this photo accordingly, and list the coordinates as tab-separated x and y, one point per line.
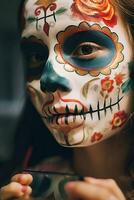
45	3
98	39
95	10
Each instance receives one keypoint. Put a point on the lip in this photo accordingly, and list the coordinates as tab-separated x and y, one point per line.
62	111
53	114
65	124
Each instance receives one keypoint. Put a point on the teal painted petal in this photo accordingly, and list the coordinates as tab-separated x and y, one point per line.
61	10
131	66
132	84
31	19
126	86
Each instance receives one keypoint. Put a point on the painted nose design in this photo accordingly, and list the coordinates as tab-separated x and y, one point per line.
50	81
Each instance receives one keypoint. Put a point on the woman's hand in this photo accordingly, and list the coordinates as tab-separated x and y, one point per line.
18	188
94	189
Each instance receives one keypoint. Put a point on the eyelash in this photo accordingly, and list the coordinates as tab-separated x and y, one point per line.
93	49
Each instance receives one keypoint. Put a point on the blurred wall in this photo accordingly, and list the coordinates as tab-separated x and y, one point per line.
12	95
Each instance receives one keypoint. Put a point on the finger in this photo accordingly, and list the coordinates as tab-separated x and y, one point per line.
24	179
82	190
14	190
25	198
110	184
11	190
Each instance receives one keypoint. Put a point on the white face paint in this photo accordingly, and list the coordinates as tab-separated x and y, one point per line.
78	60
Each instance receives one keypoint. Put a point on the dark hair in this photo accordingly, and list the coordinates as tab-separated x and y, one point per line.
126	8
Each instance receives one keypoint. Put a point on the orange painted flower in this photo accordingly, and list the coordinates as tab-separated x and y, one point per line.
107	84
45	3
119	78
96	137
119	119
95	10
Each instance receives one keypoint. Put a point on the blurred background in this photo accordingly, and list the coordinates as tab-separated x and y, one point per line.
24	140
12	93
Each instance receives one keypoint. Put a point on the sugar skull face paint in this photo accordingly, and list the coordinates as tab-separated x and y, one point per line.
95	11
79	68
88	49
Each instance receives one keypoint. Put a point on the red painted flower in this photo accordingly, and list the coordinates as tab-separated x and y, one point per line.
96	137
119	78
95	10
107	84
119	119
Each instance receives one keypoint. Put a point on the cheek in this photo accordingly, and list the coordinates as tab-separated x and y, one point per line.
35	94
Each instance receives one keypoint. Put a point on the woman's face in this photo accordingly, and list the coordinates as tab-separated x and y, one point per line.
79	68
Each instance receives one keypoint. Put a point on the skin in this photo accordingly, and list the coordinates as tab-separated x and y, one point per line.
96	155
90	188
76	82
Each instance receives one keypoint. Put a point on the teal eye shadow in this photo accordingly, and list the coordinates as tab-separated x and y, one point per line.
93	36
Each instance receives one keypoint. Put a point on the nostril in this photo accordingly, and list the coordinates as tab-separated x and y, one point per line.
50	81
47	86
51	85
42	86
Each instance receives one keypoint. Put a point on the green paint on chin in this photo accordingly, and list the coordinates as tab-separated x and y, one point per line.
129	83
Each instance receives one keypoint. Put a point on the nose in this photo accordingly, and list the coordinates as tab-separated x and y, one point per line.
50	81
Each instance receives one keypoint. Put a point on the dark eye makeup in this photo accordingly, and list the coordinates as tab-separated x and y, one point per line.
35	54
89	50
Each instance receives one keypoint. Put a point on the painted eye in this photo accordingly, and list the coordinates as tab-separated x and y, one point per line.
35	60
35	54
87	50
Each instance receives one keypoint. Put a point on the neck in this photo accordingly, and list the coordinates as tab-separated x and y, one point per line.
107	159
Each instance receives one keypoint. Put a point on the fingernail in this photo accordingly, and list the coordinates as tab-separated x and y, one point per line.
26	197
69	186
68	189
24	188
19	179
90	179
112	198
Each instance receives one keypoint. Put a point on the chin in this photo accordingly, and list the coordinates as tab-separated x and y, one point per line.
83	137
78	137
